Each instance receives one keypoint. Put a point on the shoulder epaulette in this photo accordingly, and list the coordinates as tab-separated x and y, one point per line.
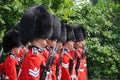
36	49
66	50
12	55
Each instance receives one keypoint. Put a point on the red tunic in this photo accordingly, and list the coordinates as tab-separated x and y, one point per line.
53	67
59	65
85	68
20	55
16	60
82	71
10	67
73	74
46	54
52	75
65	66
30	69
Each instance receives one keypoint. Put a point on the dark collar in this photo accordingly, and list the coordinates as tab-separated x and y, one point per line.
39	49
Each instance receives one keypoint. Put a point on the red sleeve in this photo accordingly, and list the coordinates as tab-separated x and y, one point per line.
21	53
80	51
43	61
10	68
45	55
57	58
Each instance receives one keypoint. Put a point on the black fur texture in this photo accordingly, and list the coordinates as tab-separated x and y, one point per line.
35	23
70	33
56	28
44	22
80	33
10	40
63	35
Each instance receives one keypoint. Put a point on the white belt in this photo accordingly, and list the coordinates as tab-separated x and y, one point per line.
80	70
73	76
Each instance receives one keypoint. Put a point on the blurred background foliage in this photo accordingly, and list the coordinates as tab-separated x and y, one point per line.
100	18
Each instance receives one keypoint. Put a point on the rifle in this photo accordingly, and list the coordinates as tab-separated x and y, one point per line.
84	53
59	63
50	61
72	62
22	58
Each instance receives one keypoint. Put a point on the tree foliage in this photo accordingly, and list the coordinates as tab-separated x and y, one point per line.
101	22
102	27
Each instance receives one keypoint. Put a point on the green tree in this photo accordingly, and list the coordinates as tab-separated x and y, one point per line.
102	26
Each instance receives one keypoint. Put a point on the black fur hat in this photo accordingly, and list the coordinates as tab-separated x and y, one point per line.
27	24
43	24
34	16
63	35
70	33
80	33
56	28
10	40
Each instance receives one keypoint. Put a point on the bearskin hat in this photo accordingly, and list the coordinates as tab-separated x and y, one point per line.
56	28
63	35
79	33
27	24
34	16
43	24
10	40
70	33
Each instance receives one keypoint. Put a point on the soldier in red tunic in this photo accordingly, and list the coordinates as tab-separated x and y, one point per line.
60	52
20	57
81	59
12	46
51	43
73	61
69	44
31	66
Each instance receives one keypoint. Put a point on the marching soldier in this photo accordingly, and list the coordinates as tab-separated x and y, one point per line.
81	59
23	50
26	27
31	66
73	61
52	42
66	57
27	24
61	51
12	46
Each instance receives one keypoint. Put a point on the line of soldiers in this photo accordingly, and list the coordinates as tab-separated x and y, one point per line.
41	47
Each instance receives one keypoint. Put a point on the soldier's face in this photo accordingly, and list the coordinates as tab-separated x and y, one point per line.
51	42
43	42
77	44
70	44
16	50
40	42
82	44
59	44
